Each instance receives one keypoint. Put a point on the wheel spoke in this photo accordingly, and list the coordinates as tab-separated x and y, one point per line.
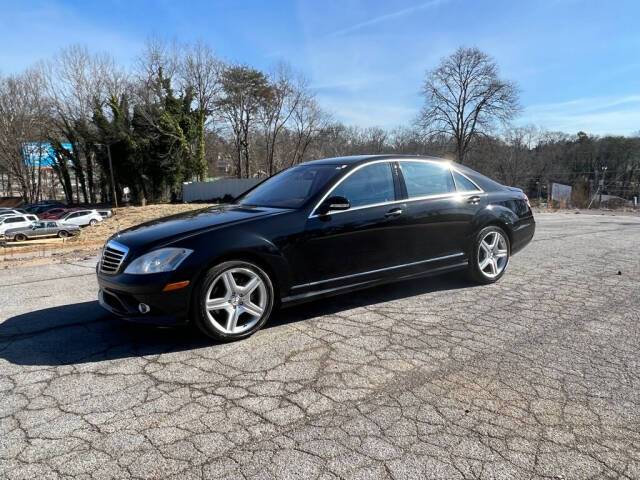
501	254
494	266
494	242
218	303
485	246
251	286
229	282
232	319
253	309
484	263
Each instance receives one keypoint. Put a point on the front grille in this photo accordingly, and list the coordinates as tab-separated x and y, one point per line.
113	254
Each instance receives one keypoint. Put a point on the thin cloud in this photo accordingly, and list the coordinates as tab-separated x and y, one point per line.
600	115
388	16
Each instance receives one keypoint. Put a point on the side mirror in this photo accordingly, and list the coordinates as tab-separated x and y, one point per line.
333	204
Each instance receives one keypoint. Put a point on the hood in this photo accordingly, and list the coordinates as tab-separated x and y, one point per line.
174	227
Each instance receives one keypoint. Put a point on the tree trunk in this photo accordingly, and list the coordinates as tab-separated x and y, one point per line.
200	152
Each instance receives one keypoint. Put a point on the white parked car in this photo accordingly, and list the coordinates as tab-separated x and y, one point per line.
81	218
9	211
16	221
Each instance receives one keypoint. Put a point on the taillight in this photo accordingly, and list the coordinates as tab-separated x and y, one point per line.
526	199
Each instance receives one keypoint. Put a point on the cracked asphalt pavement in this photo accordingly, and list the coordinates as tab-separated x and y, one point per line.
537	376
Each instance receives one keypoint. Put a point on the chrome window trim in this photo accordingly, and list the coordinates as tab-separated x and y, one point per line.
377	270
326	195
478	189
406	200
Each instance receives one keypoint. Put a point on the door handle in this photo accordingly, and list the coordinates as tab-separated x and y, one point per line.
473	199
394	212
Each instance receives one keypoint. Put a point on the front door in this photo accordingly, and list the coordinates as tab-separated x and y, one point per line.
354	245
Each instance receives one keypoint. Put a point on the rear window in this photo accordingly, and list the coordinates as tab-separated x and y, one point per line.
427	178
463	184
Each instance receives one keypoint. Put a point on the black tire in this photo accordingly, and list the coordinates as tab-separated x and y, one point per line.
474	272
201	317
20	237
93	222
63	234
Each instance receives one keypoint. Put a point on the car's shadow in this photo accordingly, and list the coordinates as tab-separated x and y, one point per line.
84	332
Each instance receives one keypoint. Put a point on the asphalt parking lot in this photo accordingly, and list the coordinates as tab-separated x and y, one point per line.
537	376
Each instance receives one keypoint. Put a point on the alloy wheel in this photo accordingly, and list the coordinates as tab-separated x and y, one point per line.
236	300
493	254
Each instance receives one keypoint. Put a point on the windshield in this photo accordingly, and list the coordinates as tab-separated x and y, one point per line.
290	188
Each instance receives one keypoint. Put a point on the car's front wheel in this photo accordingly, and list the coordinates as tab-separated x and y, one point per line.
63	234
20	237
489	255
234	300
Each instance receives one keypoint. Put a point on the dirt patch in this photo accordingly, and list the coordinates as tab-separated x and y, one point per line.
90	240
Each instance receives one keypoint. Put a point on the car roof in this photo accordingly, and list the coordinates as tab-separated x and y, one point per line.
356	159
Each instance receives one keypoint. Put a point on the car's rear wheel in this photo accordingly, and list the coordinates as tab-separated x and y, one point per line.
234	300
63	234
489	255
93	222
20	237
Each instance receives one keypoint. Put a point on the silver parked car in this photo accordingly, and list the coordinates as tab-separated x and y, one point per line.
42	229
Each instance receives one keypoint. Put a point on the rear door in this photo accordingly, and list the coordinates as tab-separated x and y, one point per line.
439	217
52	228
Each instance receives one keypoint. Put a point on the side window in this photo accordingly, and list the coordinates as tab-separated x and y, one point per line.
463	184
51	225
14	220
427	178
73	215
368	185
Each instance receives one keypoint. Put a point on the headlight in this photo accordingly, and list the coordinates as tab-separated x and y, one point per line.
161	260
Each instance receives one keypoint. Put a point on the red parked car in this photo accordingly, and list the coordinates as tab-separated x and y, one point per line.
55	213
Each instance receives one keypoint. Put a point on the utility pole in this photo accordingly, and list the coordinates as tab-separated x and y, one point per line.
113	183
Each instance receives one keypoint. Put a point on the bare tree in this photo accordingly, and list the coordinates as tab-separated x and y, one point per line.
77	83
307	121
158	60
518	162
464	98
244	89
283	98
24	112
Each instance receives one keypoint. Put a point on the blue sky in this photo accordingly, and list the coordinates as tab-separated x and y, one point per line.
577	62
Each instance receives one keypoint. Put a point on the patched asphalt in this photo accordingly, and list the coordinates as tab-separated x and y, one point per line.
537	376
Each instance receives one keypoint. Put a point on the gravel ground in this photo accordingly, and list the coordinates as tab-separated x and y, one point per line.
537	376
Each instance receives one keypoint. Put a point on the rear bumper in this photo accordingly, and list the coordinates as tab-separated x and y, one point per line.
522	234
124	300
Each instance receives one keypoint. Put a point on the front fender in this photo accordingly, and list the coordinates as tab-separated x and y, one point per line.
246	245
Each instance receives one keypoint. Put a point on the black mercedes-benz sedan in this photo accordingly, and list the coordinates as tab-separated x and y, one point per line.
317	229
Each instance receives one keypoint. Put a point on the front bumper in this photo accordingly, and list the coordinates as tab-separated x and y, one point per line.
122	296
